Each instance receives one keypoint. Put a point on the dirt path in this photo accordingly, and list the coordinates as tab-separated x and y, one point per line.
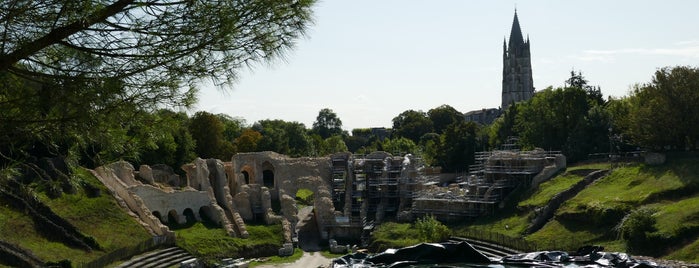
308	260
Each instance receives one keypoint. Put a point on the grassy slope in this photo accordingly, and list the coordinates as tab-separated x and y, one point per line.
514	222
100	217
589	217
211	242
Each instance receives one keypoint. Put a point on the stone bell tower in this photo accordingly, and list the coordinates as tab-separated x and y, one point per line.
517	82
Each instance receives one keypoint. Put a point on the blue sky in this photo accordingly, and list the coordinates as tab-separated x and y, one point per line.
369	61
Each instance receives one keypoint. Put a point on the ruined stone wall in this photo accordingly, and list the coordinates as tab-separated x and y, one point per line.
559	163
108	176
209	176
158	200
159	173
283	168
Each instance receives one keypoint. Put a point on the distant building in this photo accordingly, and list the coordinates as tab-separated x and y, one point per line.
517	82
483	116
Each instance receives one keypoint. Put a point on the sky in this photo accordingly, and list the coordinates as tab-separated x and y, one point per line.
370	60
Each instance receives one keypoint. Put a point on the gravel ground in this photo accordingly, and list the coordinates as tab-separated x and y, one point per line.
308	260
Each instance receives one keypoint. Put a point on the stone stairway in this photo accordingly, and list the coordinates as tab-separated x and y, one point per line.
161	258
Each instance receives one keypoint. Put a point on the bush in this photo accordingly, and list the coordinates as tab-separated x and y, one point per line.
637	229
431	230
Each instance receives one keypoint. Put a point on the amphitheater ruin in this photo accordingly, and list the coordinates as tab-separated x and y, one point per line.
351	192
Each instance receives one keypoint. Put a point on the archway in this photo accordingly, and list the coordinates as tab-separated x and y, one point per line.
189	216
246	177
248	174
207	216
268	175
159	216
173	217
268	178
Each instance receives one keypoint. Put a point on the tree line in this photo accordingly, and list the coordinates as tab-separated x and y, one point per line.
89	81
574	119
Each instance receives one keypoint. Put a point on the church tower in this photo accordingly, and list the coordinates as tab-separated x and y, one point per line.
517	83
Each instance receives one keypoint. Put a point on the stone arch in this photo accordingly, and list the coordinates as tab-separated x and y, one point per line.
268	175
248	174
189	215
207	214
159	216
173	217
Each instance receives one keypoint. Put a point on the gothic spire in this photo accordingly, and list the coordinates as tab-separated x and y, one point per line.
516	33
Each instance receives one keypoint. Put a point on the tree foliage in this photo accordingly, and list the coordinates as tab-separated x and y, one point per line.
457	146
207	130
290	138
550	116
327	124
400	146
85	78
444	116
156	47
173	143
661	113
247	141
412	124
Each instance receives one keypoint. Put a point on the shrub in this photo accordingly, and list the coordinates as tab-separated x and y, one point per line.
637	229
431	230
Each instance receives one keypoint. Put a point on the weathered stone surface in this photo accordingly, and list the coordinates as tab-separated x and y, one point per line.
240	224
286	250
288	208
197	174
146	173
109	177
242	202
265	199
337	249
549	171
271	218
286	229
125	172
165	175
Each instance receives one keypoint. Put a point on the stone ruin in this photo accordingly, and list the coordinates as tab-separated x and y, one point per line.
351	192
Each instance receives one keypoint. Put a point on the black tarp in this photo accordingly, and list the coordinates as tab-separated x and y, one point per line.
462	254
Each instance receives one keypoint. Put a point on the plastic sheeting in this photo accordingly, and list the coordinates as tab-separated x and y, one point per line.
462	254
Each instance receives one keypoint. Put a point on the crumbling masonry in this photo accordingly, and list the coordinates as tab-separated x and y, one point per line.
352	193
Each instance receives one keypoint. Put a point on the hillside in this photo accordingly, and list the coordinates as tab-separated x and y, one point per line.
664	200
92	212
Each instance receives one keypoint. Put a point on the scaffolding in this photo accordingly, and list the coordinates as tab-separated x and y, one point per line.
340	169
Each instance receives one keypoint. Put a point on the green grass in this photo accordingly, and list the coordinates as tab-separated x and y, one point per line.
590	217
18	228
598	166
625	188
569	235
274	260
212	244
98	217
304	196
672	216
510	224
549	189
688	253
394	235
